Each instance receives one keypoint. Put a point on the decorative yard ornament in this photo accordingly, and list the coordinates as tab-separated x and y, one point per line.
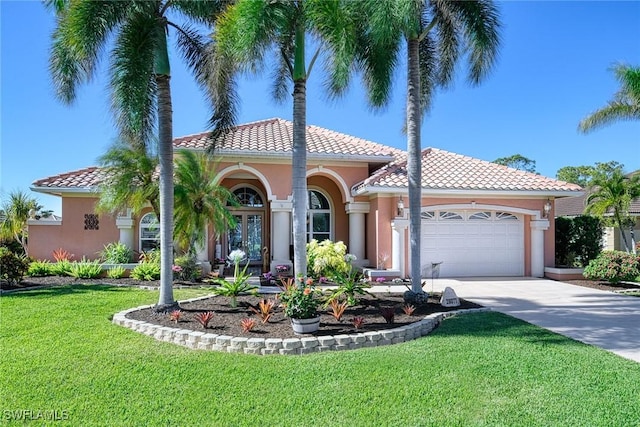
449	298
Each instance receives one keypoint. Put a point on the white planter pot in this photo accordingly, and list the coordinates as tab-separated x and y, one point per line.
305	326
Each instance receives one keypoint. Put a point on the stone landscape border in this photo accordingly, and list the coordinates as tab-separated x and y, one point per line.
287	346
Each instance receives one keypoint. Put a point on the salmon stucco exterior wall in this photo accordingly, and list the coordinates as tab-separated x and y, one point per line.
76	234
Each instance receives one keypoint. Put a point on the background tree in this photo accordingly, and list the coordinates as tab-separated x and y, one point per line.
254	35
611	194
129	181
582	175
139	73
16	211
517	161
437	35
625	104
199	200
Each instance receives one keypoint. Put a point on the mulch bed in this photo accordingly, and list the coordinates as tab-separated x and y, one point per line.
227	320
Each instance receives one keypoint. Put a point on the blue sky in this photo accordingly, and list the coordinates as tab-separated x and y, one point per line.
553	70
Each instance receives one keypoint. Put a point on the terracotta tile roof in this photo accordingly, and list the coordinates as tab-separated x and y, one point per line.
443	170
83	178
276	136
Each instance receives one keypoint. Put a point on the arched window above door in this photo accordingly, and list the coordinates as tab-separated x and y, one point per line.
248	197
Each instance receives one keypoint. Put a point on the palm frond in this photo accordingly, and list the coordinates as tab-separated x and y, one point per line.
81	31
203	11
613	112
133	86
481	24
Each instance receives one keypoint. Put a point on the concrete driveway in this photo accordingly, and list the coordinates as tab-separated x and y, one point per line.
604	319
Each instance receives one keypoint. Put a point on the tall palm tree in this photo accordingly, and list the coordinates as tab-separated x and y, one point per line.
436	33
199	200
255	34
139	72
130	181
612	194
625	104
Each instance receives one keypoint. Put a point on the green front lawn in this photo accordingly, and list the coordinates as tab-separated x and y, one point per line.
59	352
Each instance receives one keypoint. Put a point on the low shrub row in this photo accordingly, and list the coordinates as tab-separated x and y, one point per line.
614	267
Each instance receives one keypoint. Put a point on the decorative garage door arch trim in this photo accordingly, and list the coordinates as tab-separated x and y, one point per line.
536	214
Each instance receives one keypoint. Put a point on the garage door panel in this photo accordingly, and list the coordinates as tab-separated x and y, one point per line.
474	247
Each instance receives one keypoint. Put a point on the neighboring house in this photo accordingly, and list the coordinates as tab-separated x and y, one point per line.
479	218
612	237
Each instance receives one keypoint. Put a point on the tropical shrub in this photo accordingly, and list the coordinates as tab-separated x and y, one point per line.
40	269
327	259
116	253
146	271
62	255
189	269
12	266
264	309
149	266
85	269
152	256
614	266
116	272
247	325
349	285
240	283
204	318
61	268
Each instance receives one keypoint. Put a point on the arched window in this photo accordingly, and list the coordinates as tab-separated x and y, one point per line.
319	217
149	232
248	197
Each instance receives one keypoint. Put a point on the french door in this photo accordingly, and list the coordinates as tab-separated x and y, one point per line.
247	235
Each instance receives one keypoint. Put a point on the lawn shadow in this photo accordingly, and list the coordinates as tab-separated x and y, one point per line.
60	290
492	324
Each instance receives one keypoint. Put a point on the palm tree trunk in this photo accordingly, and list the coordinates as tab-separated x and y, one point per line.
165	161
299	159
414	161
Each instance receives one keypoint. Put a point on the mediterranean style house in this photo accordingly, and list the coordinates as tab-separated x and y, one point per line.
478	218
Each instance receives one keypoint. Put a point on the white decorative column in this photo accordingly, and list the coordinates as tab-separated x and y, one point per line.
538	226
281	232
124	222
398	228
356	212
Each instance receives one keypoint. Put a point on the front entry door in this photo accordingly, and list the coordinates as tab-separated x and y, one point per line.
247	235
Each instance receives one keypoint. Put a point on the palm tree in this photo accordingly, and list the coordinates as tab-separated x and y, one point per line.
14	215
129	181
252	31
140	73
436	33
199	200
612	193
625	104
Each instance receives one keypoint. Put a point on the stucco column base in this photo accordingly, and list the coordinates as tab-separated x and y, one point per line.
356	212
398	257
538	227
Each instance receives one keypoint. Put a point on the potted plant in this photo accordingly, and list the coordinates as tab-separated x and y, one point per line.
300	300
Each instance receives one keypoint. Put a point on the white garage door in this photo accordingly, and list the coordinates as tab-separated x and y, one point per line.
473	243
